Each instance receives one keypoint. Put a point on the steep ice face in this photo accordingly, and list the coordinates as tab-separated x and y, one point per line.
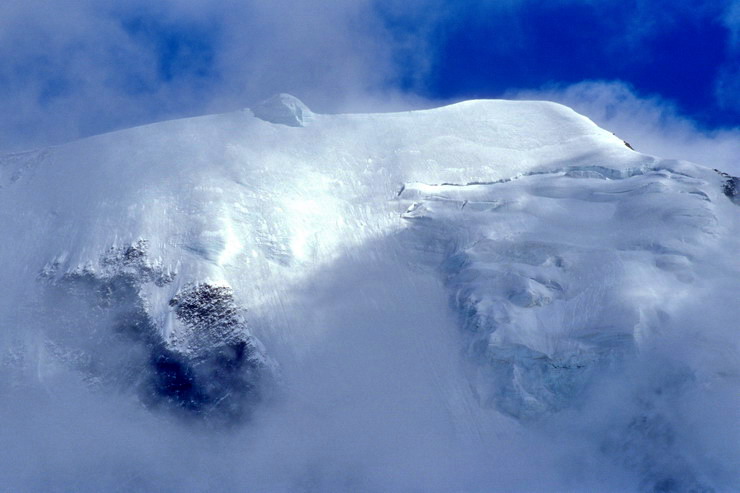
549	271
284	109
561	279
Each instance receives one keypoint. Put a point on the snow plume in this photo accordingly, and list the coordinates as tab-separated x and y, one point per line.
651	125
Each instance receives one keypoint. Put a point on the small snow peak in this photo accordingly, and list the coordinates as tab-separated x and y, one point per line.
283	109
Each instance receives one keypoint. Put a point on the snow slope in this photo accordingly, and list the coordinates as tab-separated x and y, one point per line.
485	269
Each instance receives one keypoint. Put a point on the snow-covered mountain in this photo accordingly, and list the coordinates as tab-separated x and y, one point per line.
441	288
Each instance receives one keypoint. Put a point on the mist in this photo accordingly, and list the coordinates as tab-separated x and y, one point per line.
375	398
74	68
365	406
374	390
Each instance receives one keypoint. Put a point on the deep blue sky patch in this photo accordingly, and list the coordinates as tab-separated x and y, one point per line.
669	49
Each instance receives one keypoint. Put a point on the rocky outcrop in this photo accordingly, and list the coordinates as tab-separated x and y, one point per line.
730	186
211	367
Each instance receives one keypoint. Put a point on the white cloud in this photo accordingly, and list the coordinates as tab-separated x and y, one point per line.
70	68
727	87
732	21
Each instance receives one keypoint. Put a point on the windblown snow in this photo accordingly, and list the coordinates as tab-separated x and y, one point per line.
487	296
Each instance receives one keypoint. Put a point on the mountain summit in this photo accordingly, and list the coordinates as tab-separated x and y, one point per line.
478	280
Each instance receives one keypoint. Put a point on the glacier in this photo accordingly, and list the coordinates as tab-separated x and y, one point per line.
487	296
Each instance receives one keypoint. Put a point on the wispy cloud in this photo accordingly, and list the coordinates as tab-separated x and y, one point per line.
70	68
727	89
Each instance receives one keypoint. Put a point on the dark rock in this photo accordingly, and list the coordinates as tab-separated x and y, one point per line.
730	186
215	376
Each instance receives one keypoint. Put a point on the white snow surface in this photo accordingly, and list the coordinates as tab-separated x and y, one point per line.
285	109
487	296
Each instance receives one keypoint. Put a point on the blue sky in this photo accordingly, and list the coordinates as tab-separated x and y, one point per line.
678	50
71	68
